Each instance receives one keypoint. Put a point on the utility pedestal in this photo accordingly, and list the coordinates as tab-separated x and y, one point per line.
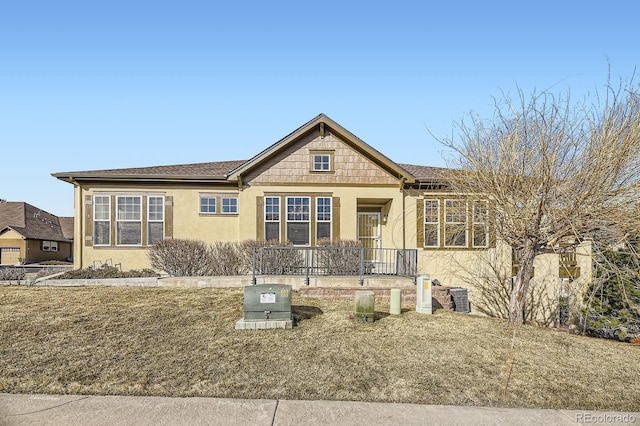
424	303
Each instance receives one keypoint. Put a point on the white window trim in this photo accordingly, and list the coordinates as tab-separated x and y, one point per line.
485	223
208	197
271	220
48	245
108	197
321	162
118	220
437	223
149	220
298	221
222	200
330	221
466	224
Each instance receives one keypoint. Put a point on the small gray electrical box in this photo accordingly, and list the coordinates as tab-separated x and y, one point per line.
267	302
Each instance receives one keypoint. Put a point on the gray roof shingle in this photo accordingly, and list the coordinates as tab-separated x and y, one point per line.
33	223
212	169
218	169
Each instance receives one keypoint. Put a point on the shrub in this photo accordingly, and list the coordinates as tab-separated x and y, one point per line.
229	258
345	261
12	274
283	260
105	272
613	299
182	258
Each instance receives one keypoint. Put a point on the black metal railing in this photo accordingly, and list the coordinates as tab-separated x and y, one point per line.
334	261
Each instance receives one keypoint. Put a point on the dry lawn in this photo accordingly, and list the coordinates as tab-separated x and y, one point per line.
182	342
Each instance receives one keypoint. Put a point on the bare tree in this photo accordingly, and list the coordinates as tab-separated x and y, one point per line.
556	171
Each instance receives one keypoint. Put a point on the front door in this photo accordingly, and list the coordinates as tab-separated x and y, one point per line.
369	233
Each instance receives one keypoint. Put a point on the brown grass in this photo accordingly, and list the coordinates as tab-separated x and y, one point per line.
182	342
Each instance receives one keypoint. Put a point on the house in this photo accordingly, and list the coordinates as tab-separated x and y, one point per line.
320	181
29	234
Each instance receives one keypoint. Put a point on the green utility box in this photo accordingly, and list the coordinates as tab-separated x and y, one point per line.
364	305
267	302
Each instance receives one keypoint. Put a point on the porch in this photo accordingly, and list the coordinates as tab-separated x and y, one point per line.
358	262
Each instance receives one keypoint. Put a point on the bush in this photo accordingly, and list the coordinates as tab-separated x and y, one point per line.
231	258
345	261
182	258
105	272
285	260
12	274
195	258
188	258
612	308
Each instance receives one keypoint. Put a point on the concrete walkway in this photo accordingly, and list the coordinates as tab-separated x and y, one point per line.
17	410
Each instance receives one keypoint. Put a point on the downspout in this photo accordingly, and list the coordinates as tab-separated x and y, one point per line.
78	245
404	219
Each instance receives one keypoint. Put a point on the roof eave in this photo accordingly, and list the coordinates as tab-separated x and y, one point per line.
137	178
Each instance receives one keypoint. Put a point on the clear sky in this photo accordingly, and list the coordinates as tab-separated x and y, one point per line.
90	85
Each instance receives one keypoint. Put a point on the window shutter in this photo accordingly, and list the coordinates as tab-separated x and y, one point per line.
420	223
260	218
335	218
88	220
168	217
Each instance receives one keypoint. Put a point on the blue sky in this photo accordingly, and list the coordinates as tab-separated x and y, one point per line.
92	85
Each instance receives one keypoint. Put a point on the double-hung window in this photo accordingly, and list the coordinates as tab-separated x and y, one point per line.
298	220
480	223
455	223
323	218
155	219
272	218
128	220
101	220
432	223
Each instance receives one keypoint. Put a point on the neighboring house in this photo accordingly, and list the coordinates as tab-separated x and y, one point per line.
29	234
320	181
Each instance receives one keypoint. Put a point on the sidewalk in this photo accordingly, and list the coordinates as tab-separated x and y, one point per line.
33	410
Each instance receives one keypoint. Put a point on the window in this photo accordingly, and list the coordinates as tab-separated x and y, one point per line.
298	217
155	219
49	246
455	223
129	221
272	218
207	205
229	205
480	223
432	223
101	220
321	162
323	218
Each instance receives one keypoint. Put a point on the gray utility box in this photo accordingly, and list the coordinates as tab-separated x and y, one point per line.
267	302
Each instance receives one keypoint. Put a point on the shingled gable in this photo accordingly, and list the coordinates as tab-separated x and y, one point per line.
322	122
